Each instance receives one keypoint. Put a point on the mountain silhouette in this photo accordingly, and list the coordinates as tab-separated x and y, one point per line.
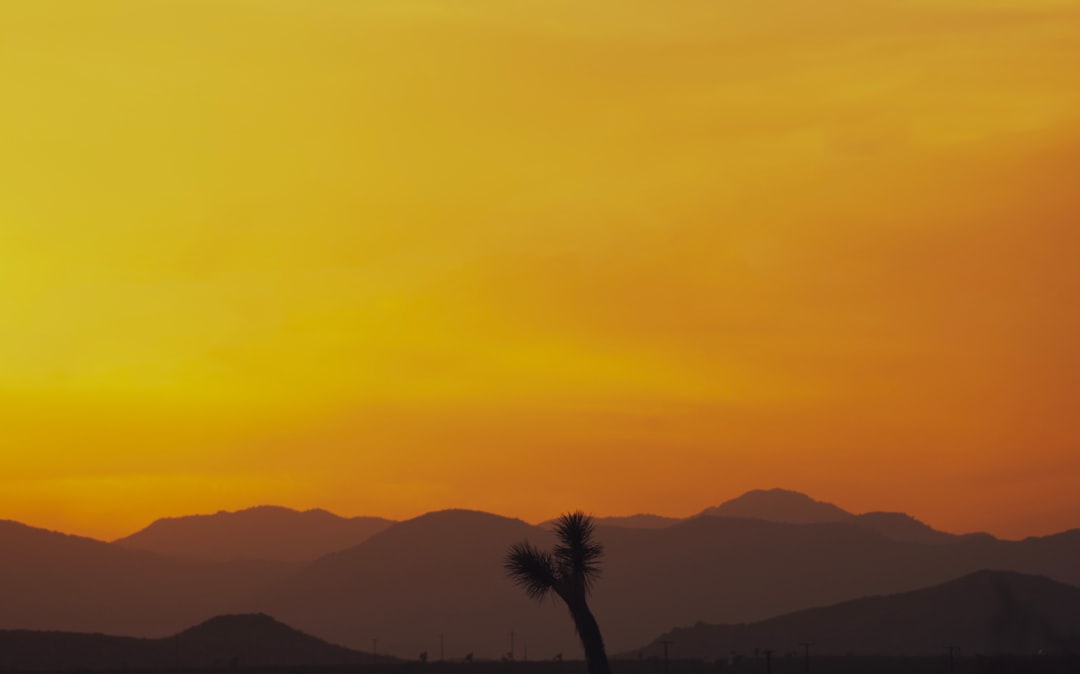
987	612
440	574
903	527
779	505
259	640
782	505
265	532
53	581
229	640
792	507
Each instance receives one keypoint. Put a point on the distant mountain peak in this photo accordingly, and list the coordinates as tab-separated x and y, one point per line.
245	622
460	513
779	505
459	519
244	628
255	511
253	640
266	532
903	527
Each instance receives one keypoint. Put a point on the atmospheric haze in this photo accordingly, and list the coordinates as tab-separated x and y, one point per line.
391	256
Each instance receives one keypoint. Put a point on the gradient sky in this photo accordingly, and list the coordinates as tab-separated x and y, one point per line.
389	256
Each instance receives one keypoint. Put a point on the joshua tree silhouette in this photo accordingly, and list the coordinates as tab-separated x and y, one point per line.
569	571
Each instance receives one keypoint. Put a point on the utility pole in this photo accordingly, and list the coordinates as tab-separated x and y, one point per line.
442	648
374	650
768	660
952	659
666	643
806	659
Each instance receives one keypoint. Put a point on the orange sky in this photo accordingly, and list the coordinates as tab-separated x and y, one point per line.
390	256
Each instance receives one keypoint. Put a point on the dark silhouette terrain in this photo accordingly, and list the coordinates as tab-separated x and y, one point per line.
52	581
987	613
790	507
440	574
780	664
266	532
714	569
231	640
902	527
779	505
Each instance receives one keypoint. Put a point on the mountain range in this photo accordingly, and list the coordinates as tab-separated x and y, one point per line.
988	612
255	533
791	507
441	574
53	581
229	640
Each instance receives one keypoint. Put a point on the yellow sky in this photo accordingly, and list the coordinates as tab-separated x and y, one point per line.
627	255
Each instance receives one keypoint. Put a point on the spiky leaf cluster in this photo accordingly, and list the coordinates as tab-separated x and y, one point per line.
569	571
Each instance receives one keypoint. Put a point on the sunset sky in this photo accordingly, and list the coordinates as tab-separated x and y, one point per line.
390	256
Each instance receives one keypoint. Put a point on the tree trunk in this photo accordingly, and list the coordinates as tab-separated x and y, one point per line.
589	633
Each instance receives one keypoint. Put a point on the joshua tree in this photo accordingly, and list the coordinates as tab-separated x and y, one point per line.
568	571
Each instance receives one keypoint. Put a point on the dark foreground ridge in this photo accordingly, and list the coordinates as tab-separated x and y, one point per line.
750	664
254	640
984	613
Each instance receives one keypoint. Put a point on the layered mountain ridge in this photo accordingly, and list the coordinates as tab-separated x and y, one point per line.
441	574
984	613
255	533
254	640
